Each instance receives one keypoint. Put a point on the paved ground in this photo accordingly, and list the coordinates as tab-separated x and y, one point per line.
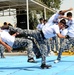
18	65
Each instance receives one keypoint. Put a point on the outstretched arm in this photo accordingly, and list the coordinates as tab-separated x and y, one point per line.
5	45
67	10
60	36
65	17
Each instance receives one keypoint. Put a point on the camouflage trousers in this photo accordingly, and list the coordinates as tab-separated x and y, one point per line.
63	46
2	49
26	43
41	41
38	36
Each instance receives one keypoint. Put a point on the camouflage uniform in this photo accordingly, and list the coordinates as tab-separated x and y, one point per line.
2	49
20	42
63	46
38	36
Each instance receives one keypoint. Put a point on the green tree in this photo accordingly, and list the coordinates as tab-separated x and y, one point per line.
32	19
52	3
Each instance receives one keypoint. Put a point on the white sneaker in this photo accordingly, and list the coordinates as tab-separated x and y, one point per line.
56	61
49	54
52	53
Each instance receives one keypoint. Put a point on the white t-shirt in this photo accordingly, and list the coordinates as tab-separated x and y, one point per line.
50	31
64	32
53	18
71	28
39	26
70	22
7	38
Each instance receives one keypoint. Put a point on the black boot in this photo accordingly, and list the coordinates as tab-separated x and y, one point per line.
38	56
43	66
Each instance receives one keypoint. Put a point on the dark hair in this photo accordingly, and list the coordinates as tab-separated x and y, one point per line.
69	14
10	24
62	13
5	23
63	21
41	19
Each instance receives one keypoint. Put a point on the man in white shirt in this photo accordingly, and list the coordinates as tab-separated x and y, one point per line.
54	20
10	42
47	33
70	35
41	24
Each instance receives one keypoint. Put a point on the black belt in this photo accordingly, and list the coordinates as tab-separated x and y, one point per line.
42	35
